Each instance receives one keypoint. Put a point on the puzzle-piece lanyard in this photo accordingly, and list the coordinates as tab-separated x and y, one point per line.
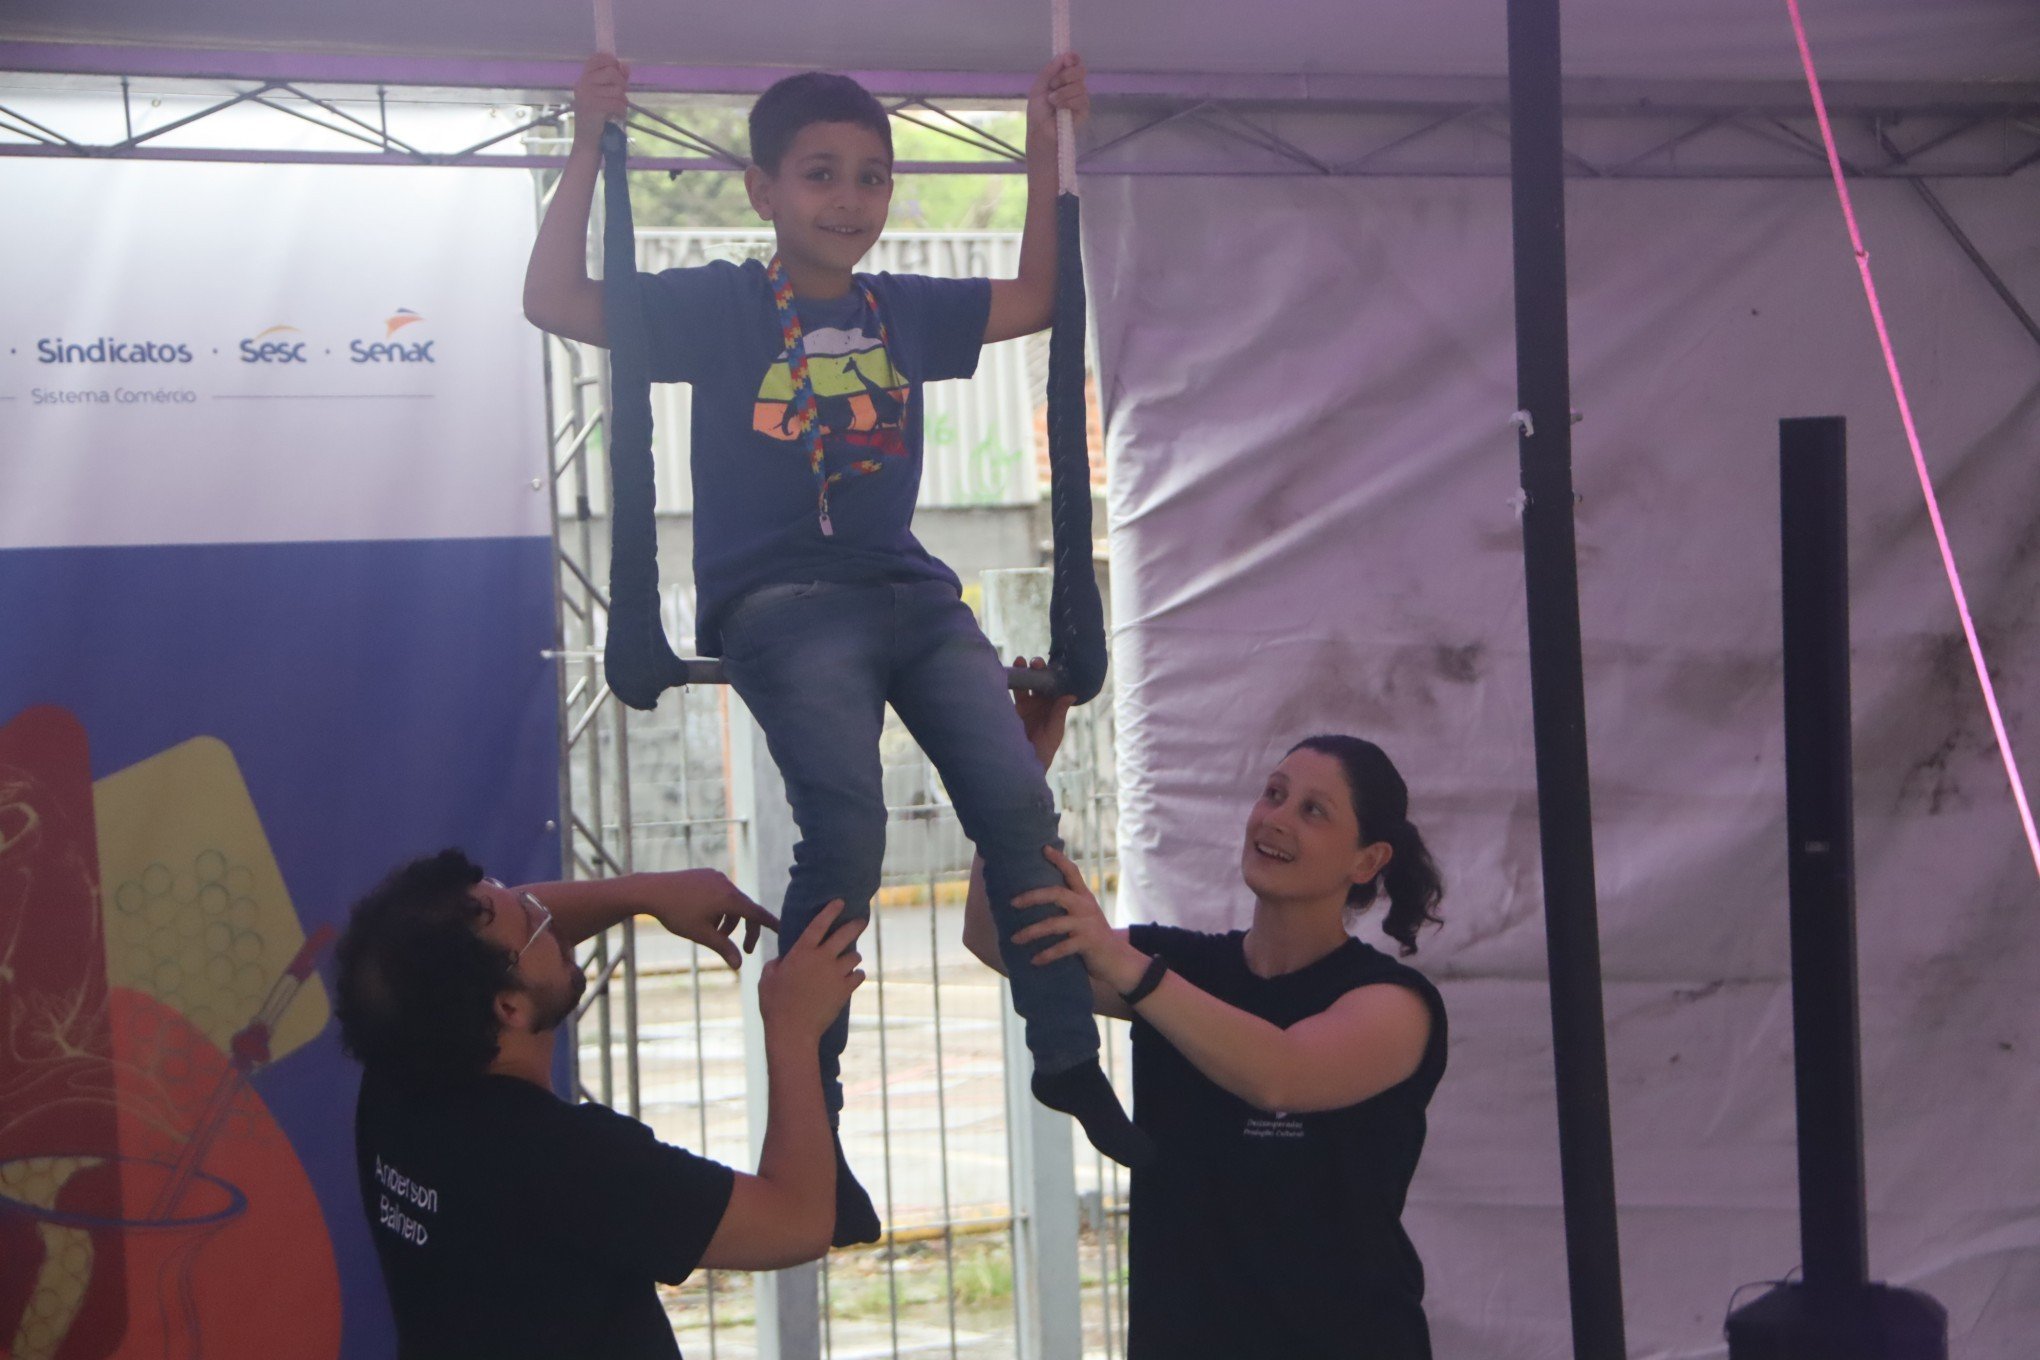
806	410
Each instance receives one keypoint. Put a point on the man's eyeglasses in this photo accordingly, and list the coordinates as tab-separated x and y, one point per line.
539	909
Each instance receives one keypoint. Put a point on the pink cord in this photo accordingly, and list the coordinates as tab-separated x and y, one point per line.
1997	721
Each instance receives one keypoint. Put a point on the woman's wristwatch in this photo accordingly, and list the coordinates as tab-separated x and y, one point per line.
1157	969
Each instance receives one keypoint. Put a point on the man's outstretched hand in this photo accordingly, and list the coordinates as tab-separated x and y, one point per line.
702	905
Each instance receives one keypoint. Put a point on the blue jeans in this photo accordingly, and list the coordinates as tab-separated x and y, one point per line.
817	664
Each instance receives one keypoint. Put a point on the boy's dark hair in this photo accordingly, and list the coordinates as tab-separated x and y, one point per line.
417	984
811	97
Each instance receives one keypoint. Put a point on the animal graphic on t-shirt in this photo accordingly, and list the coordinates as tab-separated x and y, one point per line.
859	395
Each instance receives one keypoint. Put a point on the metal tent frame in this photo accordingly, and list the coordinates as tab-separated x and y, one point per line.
1175	125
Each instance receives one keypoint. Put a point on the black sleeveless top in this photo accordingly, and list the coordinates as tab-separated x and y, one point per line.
1259	1234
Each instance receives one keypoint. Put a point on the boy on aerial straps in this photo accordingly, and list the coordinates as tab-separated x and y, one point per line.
806	467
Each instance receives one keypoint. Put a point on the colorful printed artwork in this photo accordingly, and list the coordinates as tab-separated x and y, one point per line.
151	964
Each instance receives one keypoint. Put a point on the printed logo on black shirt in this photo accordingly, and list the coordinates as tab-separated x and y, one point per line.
402	1194
1281	1125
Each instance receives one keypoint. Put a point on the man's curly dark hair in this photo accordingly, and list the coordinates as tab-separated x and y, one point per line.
417	983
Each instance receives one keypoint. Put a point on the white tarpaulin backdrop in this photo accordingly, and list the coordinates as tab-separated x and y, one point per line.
1308	387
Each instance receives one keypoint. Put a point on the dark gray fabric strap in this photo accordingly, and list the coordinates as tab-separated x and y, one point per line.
637	660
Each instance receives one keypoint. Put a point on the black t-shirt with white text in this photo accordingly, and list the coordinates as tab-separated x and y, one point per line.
1272	1234
512	1224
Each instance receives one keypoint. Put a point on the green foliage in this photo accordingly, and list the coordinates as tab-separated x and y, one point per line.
714	199
984	1279
861	1288
957	202
701	199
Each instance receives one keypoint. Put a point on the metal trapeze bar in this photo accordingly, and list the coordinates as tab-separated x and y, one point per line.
702	670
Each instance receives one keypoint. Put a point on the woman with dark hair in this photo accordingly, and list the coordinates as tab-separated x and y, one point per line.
1282	1070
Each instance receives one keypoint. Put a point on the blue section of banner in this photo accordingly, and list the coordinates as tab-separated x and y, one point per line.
382	699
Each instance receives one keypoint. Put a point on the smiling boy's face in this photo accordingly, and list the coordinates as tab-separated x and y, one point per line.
829	200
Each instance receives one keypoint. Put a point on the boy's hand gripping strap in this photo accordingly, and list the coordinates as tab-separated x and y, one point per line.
637	660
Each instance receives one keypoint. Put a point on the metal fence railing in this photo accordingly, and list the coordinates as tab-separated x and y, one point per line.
927	1120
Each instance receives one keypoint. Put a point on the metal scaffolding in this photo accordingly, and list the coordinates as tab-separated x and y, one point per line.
1229	126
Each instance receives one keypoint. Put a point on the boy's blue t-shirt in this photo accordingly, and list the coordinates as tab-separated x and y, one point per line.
755	513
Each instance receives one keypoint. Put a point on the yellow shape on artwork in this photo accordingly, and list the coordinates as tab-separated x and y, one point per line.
196	912
67	1254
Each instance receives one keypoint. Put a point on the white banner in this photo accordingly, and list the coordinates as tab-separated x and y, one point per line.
1313	530
289	353
276	588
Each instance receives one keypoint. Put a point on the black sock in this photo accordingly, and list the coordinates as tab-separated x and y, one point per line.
1083	1093
856	1220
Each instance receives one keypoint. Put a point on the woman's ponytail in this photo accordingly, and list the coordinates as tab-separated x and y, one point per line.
1413	885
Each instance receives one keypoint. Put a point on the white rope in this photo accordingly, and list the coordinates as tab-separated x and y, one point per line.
1065	126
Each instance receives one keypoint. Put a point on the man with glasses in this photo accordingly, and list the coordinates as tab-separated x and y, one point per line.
510	1222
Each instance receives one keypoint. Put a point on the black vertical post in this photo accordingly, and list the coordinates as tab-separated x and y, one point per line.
1835	1313
1557	681
1821	837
